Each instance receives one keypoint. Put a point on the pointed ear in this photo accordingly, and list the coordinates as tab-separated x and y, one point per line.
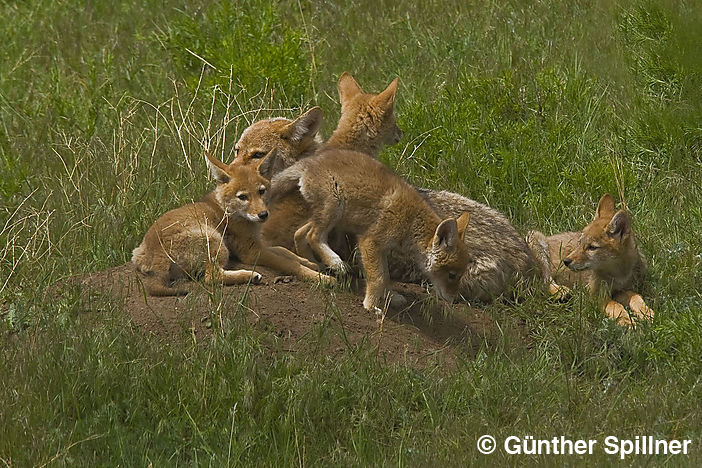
348	88
269	164
305	126
446	235
620	225
605	208
217	168
386	99
462	223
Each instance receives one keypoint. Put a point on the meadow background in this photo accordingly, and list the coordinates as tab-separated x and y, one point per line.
534	107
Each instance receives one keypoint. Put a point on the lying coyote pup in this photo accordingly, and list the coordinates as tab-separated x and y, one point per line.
201	237
353	192
604	257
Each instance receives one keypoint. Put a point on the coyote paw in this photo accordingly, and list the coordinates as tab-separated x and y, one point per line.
369	305
327	280
625	321
559	292
256	278
340	268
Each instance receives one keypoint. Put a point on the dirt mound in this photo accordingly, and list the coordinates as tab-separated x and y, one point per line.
304	316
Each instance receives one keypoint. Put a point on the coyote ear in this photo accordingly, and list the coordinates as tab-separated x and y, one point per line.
605	208
446	235
217	168
305	126
387	98
269	164
620	225
348	88
462	222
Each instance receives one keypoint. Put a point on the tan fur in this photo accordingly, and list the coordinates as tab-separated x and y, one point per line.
604	257
200	237
355	193
367	121
293	140
499	256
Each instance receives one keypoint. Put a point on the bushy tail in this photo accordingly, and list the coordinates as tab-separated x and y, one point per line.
286	181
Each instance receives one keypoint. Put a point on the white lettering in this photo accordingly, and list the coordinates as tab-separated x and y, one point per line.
512	449
611	447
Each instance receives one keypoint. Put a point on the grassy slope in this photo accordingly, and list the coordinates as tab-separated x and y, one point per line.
534	107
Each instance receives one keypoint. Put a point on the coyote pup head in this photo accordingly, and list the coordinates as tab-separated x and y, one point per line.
293	140
605	241
448	256
367	119
240	189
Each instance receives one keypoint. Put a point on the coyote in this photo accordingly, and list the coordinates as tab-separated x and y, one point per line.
498	254
604	257
201	236
355	193
367	123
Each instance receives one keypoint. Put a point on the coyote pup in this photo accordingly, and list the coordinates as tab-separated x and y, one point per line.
201	236
604	257
355	193
367	123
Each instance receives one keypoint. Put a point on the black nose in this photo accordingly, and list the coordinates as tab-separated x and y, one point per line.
567	261
263	215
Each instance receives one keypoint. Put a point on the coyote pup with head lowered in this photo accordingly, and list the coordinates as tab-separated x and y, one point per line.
353	192
201	237
604	257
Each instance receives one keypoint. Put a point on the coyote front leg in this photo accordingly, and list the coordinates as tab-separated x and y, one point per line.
617	312
635	303
288	265
375	266
292	256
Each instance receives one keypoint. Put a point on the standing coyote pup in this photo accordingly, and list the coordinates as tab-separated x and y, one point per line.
201	236
353	192
604	257
367	124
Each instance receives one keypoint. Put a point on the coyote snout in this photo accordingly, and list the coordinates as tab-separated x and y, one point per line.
576	265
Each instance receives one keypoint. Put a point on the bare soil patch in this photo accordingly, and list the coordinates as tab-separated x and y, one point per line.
303	317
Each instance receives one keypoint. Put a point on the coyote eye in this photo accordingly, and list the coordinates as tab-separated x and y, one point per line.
452	275
258	155
242	197
261	191
592	247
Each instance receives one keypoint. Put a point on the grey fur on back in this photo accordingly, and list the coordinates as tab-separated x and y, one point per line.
499	255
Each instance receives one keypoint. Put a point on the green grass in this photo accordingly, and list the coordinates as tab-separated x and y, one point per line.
536	108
